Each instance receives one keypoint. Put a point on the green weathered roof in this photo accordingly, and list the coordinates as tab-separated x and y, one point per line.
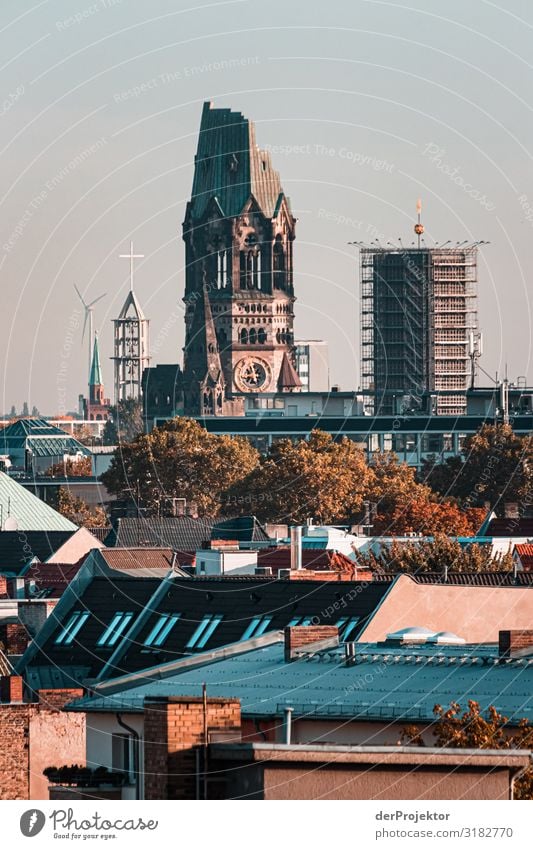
95	378
43	438
30	513
230	168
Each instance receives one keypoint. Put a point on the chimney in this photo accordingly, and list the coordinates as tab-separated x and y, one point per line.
515	643
11	688
296	547
318	636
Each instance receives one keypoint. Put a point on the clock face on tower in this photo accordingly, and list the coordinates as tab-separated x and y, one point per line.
252	374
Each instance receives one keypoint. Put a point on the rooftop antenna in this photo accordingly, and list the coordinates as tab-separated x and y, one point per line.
131	256
88	319
419	227
475	351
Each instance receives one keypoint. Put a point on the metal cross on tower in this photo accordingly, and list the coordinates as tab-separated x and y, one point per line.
131	256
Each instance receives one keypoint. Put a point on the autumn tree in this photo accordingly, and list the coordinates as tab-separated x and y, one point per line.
474	729
79	512
180	459
496	466
436	555
318	478
78	468
125	422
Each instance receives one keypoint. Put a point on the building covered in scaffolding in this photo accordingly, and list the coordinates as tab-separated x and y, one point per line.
418	320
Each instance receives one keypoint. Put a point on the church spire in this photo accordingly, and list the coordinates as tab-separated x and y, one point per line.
95	377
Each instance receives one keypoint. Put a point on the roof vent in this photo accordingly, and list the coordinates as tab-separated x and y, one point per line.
414	634
446	638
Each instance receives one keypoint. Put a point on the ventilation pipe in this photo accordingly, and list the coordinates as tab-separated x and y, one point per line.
296	547
287	725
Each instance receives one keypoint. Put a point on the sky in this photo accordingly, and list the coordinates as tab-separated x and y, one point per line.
366	105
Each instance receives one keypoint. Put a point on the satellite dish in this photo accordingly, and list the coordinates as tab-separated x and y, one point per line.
11	524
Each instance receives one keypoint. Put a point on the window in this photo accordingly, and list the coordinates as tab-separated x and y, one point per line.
204	631
69	631
116	627
300	620
161	630
257	626
346	626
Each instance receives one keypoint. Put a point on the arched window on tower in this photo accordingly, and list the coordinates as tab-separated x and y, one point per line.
223	275
253	336
278	264
243	336
250	264
261	336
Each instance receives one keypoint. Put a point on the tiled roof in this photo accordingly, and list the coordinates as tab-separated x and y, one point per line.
239	601
182	533
17	550
30	513
386	682
467	579
139	560
522	527
525	552
312	558
50	580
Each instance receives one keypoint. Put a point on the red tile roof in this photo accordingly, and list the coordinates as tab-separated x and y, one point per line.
51	579
525	553
312	559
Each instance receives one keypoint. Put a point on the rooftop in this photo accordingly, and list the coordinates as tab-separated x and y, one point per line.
20	510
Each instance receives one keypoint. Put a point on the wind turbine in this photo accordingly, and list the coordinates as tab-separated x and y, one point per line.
88	318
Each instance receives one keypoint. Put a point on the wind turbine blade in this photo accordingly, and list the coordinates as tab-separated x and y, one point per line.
96	300
80	296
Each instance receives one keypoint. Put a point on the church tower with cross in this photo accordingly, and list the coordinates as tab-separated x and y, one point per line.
239	292
131	342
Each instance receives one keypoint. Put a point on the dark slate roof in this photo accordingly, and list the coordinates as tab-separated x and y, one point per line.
229	168
237	600
100	533
522	527
17	549
50	580
183	533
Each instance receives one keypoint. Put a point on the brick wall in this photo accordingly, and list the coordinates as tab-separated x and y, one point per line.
174	734
511	641
3	586
11	688
14	638
33	614
14	751
301	635
57	699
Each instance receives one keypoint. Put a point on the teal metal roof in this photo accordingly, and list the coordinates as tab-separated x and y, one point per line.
387	682
30	513
95	378
41	437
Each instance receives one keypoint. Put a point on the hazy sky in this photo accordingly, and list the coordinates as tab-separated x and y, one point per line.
367	105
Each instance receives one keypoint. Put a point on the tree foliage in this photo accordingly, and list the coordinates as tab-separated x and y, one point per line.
180	459
125	422
496	466
81	468
79	512
435	556
317	478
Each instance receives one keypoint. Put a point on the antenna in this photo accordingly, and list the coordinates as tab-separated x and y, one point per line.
419	227
88	319
475	351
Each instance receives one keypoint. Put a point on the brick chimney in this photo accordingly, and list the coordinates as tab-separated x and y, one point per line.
11	688
511	642
305	635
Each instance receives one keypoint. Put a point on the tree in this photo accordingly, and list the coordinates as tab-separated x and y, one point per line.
79	512
317	478
474	730
180	459
125	422
497	466
71	468
435	556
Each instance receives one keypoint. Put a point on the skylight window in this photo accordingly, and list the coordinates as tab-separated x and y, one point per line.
257	626
115	629
68	632
346	626
204	631
161	629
